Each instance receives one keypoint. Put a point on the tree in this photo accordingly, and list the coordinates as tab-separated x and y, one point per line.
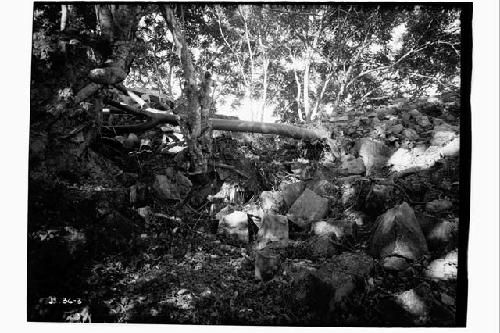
304	60
196	110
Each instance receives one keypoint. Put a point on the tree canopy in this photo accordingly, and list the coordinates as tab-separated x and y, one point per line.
293	62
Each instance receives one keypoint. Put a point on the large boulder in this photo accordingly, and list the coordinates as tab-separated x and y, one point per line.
410	134
274	229
131	142
235	225
267	263
398	236
374	154
175	187
412	307
321	247
379	199
444	268
396	129
438	206
339	229
308	208
418	158
272	201
423	121
451	148
443	235
321	187
325	288
292	191
255	213
353	167
442	136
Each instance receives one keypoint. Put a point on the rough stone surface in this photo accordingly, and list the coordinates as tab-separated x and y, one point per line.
183	183
297	269
324	288
348	190
340	229
131	142
415	305
443	235
403	160
340	275
423	121
451	148
272	201
438	206
410	134
321	187
255	213
396	129
442	137
274	229
308	208
394	263
427	222
267	263
235	225
398	234
353	167
321	247
374	154
444	268
379	199
172	189
292	191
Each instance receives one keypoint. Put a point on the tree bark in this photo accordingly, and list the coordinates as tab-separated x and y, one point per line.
319	98
265	64
306	88
118	24
264	89
194	118
159	117
298	96
252	64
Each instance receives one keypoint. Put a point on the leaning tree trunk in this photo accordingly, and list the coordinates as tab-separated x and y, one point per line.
196	110
158	117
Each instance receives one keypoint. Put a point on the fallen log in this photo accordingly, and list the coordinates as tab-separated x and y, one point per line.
231	125
266	128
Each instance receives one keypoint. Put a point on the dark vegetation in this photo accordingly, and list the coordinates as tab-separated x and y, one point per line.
142	223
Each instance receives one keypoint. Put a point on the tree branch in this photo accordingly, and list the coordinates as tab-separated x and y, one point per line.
231	48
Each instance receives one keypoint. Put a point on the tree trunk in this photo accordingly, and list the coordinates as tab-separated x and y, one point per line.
319	98
264	88
194	118
161	89
298	96
306	88
170	80
252	66
159	117
267	128
118	24
248	100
